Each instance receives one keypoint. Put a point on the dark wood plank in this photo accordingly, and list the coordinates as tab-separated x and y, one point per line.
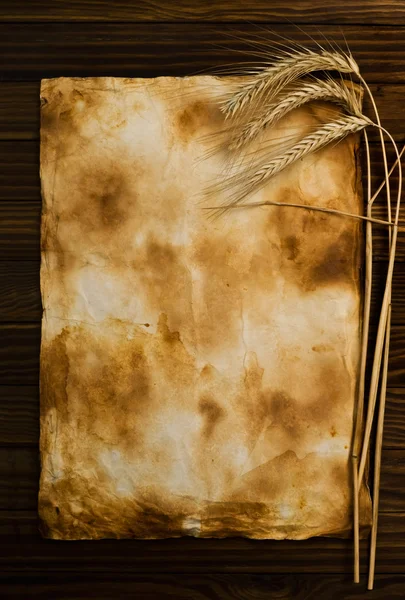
21	548
19	170
392	488
390	104
19	416
20	299
379	278
19	353
396	375
19	110
20	113
394	422
19	229
317	11
121	50
204	587
19	476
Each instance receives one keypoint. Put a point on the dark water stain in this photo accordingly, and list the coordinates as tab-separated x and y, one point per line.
337	263
212	413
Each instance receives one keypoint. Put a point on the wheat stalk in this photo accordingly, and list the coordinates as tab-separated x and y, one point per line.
323	209
380	425
378	450
330	132
329	90
358	421
272	79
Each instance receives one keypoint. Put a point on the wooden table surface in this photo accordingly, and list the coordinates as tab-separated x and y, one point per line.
133	38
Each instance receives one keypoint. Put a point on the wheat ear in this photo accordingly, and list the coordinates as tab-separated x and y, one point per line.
273	78
330	132
328	90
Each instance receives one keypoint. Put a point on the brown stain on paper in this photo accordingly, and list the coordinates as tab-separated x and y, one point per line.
315	250
195	116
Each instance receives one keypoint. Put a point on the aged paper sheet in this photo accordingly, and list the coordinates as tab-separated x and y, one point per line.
198	376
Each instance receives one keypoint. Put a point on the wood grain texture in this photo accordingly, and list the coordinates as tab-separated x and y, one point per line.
394	422
21	547
19	353
19	473
19	171
20	299
396	377
20	230
398	292
314	11
392	491
19	109
121	50
19	415
205	587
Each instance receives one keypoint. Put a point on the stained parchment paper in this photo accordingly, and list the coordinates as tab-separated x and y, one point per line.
198	375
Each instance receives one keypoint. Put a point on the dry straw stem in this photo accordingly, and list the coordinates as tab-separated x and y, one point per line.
288	69
363	360
328	90
380	424
382	184
380	427
332	211
378	449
